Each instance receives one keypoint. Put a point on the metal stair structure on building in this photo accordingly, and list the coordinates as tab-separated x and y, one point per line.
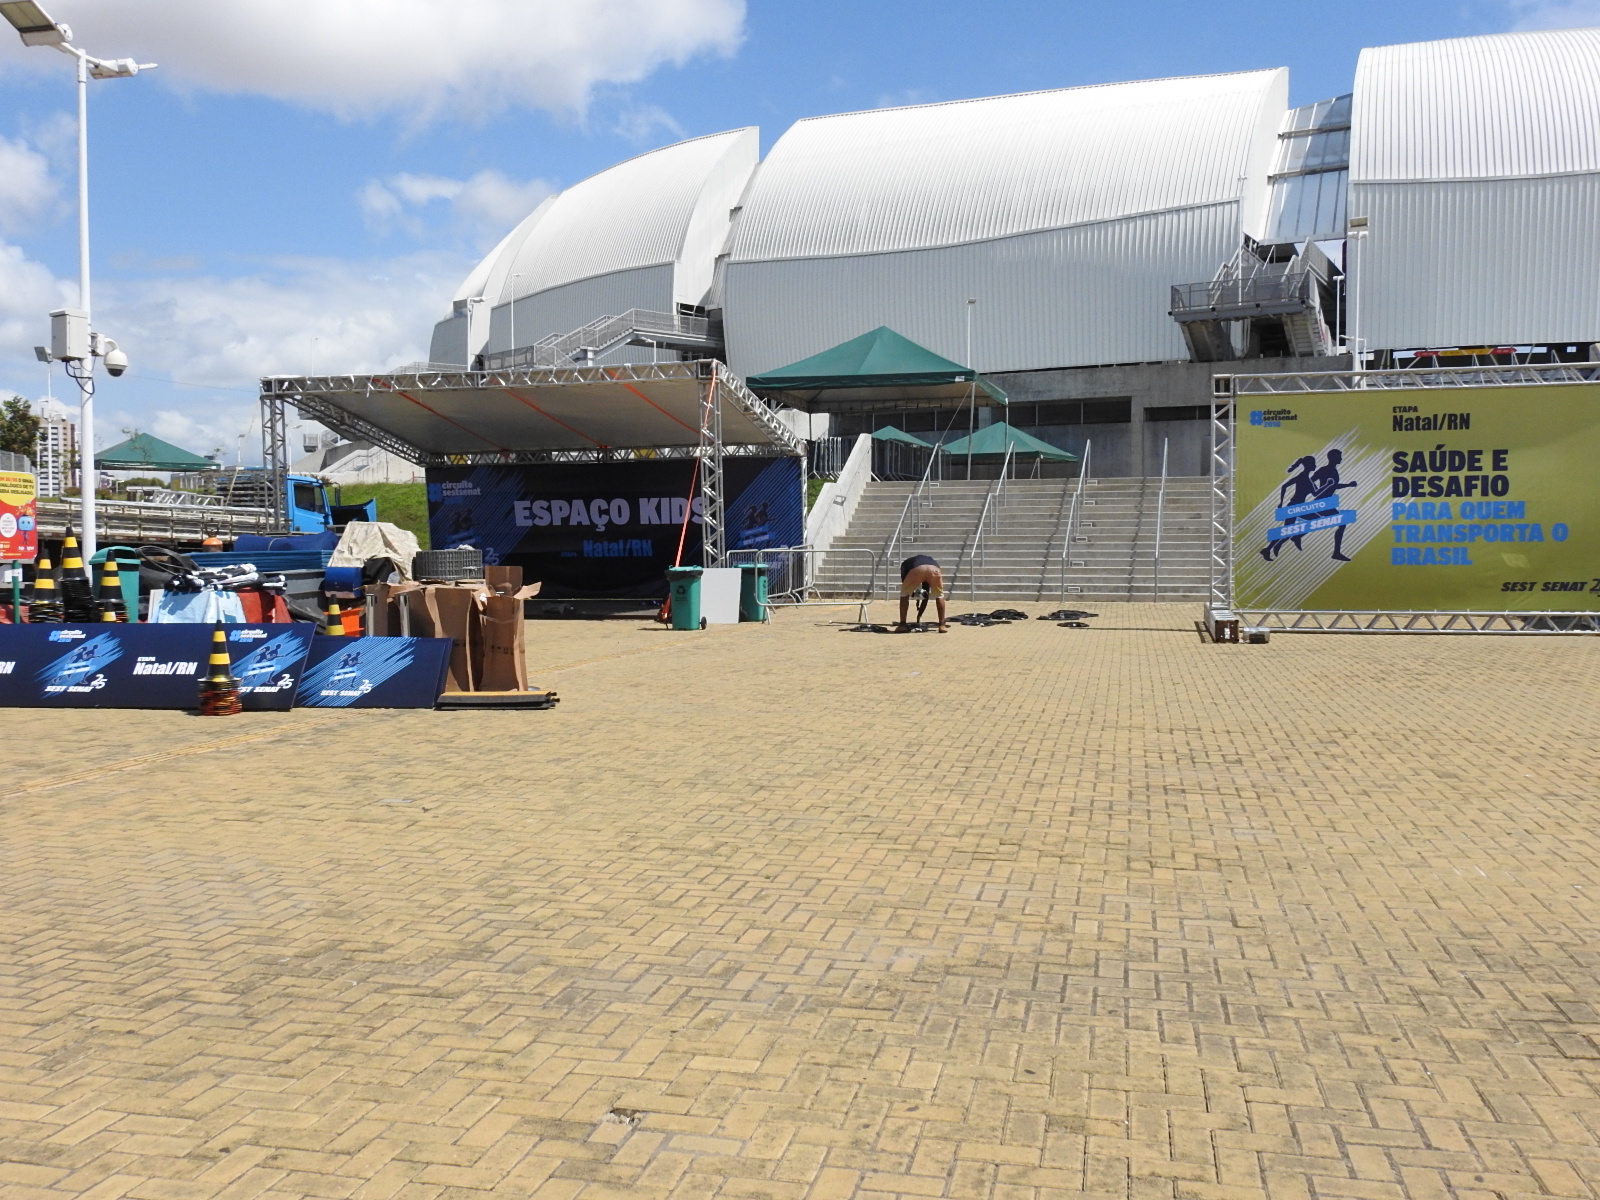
1111	554
636	327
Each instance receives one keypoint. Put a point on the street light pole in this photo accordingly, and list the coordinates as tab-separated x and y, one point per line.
972	391
88	477
36	28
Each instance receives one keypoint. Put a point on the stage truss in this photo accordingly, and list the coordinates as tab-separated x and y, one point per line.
582	415
1226	389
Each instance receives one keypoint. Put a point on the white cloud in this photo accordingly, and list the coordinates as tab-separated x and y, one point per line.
488	204
27	191
199	344
297	316
28	290
1556	14
360	58
639	124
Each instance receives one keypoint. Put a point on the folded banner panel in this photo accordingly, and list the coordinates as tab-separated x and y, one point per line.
608	529
1419	500
145	666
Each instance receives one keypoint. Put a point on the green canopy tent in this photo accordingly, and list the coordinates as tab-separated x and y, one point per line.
890	434
142	452
877	367
992	441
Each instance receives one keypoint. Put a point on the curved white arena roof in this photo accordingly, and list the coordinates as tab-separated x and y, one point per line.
1497	107
973	170
649	211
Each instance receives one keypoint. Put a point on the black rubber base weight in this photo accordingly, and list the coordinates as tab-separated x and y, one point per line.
476	700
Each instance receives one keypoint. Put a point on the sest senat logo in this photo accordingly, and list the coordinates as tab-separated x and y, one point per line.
67	635
247	635
1272	418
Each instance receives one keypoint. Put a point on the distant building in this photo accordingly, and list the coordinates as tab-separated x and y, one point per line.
1121	243
55	455
359	462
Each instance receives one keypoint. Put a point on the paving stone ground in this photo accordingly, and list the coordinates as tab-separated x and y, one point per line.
786	912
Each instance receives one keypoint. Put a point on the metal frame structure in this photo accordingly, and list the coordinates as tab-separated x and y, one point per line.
275	456
310	397
1221	589
1227	389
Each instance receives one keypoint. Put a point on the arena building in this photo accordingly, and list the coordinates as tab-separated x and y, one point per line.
1097	253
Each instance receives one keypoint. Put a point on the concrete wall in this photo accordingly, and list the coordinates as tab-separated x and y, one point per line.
1135	448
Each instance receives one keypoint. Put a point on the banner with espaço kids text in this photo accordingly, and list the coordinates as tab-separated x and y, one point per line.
1448	499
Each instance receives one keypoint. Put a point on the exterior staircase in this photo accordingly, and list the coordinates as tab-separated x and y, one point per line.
1019	556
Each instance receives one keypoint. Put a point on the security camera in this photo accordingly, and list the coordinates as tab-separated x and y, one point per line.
116	362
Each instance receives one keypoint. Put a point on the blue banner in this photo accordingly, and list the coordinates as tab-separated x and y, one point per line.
1301	528
1290	511
144	666
374	672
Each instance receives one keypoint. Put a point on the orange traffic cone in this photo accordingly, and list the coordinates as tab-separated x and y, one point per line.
44	607
219	691
112	607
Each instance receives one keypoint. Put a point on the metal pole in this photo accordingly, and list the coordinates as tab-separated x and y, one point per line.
87	476
972	391
1161	505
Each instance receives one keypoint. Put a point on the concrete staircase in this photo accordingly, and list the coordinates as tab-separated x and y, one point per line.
1019	556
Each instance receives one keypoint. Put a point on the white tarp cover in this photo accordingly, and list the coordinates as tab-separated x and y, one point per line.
362	540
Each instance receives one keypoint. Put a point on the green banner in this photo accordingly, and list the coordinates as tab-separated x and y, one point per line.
1448	499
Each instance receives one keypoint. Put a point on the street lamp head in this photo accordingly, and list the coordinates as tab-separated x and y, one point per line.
116	68
34	24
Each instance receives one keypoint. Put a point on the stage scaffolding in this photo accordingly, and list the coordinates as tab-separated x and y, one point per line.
1230	390
461	418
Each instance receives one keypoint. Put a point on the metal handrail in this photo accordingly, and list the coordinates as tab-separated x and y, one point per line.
1161	505
976	542
1072	521
893	545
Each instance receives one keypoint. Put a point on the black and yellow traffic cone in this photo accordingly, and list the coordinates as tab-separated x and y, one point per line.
44	606
335	625
219	690
77	597
112	607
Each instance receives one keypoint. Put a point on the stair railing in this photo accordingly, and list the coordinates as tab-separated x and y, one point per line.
915	503
1161	505
1072	520
973	557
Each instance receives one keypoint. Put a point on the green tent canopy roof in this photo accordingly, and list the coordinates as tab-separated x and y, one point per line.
881	358
992	440
142	452
890	434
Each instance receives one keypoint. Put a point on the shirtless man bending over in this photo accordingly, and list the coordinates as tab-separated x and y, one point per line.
921	573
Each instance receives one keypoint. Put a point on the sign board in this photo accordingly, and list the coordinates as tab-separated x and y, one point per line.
374	672
1423	500
608	529
144	666
19	517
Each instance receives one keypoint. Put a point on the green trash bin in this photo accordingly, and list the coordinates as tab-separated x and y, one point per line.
683	586
753	592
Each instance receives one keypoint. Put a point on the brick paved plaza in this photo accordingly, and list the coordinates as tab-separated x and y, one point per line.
1021	912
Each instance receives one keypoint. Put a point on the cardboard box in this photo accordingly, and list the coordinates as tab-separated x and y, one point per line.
482	619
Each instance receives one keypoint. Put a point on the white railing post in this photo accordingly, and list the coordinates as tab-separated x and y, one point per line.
1161	506
1072	520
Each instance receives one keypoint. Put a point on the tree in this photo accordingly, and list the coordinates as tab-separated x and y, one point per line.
19	428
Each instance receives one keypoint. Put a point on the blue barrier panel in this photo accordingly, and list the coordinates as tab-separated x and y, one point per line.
374	672
144	666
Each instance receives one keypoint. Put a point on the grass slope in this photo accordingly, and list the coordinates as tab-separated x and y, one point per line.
402	504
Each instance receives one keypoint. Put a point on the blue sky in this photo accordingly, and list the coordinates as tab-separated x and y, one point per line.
285	197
